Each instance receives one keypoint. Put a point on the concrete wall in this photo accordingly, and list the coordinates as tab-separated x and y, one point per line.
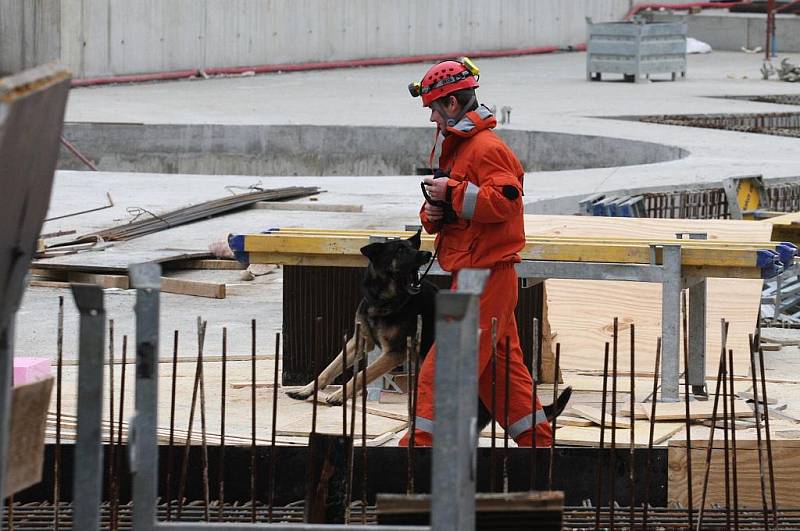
732	31
107	37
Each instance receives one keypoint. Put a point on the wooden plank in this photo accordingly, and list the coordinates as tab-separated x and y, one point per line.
313	207
104	281
26	449
196	288
118	261
213	264
786	461
595	415
698	410
48	284
590	436
569	420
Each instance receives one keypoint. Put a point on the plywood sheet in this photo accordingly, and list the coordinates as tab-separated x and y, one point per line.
786	461
596	416
581	313
590	436
697	410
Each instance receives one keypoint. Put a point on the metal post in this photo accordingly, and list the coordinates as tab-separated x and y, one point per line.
88	467
455	434
697	337
670	321
6	369
146	278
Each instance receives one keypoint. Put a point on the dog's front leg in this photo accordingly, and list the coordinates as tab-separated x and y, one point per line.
328	375
386	362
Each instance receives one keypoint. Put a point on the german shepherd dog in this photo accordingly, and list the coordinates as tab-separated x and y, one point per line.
394	298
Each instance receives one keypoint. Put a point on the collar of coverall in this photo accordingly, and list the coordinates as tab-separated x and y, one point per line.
473	122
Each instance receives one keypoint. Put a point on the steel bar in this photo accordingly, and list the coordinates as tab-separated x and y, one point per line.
599	483
223	385
110	204
253	418
274	427
201	338
612	458
317	365
686	400
364	476
359	347
757	407
170	450
413	438
733	445
80	156
726	440
88	468
649	457
146	279
118	453
768	437
506	405
493	450
553	422
410	408
707	469
111	461
344	386
59	391
534	397
187	444
631	473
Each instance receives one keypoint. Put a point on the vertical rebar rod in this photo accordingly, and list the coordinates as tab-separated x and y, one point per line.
725	439
317	357
170	449
364	476
201	338
757	405
412	440
253	419
493	449
768	436
118	453
534	398
649	456
274	430
506	399
733	445
612	458
707	468
553	422
221	464
686	399
188	443
344	386
110	453
599	485
410	391
57	449
631	473
359	345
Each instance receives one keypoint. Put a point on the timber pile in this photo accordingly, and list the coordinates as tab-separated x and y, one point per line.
580	312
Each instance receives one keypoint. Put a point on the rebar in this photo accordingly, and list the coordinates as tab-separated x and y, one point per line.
170	449
57	449
768	436
253	418
600	452
555	418
631	473
612	457
506	397
534	397
364	482
221	465
649	455
118	452
493	449
274	430
687	400
757	408
733	445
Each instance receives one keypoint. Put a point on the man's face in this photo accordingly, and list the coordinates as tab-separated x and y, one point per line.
448	105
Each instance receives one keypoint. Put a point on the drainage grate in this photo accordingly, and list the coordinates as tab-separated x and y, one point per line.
777	123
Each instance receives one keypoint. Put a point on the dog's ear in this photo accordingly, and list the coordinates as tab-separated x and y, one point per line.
416	240
373	251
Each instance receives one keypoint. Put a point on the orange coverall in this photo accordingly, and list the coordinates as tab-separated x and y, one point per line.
485	190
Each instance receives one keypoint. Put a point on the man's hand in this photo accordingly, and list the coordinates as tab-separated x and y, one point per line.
437	188
433	212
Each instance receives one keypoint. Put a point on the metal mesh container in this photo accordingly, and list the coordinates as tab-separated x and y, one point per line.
635	49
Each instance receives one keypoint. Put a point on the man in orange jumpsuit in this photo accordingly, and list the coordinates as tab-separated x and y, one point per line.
475	209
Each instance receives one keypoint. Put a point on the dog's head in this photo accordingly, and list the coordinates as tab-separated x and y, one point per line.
397	258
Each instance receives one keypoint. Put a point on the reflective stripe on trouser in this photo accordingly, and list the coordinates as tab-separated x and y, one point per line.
499	300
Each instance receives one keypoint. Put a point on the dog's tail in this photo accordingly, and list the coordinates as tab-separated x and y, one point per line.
556	408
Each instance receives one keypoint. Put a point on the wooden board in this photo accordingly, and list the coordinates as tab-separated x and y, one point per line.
104	281
596	416
117	261
786	462
590	436
697	410
213	264
26	450
179	286
581	312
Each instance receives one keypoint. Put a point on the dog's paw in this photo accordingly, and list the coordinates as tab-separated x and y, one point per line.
335	399
300	394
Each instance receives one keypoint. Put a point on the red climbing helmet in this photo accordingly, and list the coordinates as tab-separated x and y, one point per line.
445	78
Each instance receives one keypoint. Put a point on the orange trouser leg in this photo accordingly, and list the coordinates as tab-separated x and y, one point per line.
499	299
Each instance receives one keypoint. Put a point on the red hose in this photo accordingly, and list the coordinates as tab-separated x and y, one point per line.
681	7
321	65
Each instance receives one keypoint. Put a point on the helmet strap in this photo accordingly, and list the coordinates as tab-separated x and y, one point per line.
452	120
